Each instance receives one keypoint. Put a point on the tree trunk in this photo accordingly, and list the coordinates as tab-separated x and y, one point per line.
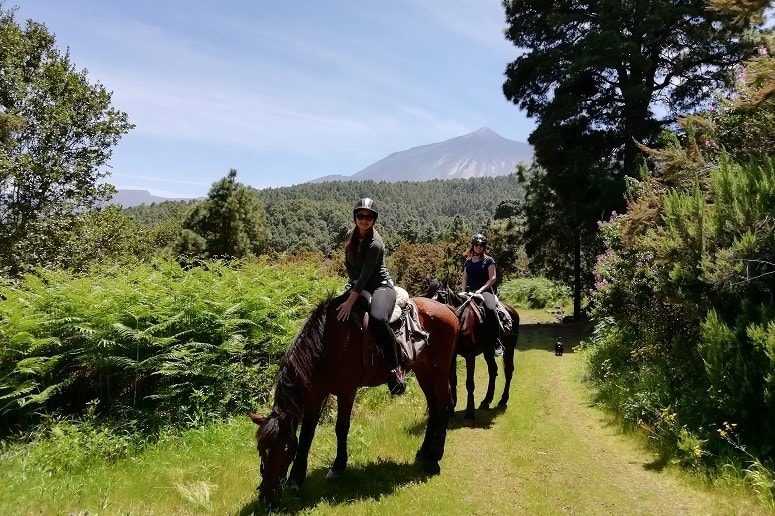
577	274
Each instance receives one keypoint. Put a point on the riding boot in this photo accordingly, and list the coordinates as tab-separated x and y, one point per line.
387	341
494	329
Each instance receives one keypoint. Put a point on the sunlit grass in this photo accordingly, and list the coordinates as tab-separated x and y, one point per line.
550	452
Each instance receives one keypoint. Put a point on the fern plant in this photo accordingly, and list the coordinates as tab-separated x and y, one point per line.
159	343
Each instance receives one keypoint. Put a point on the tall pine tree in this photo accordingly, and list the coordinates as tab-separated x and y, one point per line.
230	223
595	74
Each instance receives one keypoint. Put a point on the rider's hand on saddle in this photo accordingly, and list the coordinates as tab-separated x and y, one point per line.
343	310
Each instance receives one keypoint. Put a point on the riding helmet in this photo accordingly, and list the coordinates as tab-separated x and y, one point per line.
366	204
478	239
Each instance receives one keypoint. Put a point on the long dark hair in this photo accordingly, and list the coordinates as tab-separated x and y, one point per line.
354	239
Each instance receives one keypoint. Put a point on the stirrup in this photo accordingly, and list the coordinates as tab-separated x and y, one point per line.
396	381
498	352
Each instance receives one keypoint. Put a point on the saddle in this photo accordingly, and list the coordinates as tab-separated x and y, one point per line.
405	323
476	300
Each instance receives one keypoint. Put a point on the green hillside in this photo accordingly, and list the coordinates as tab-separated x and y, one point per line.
315	216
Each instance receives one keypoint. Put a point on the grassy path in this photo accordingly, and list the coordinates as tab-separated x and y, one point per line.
550	452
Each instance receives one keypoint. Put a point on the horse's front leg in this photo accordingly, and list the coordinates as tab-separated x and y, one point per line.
308	425
492	371
344	411
470	413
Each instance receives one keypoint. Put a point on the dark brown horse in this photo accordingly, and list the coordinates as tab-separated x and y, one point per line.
474	339
330	357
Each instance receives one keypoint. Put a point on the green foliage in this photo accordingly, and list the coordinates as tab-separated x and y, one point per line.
559	237
412	264
592	76
154	343
506	244
56	134
534	293
684	289
594	70
316	216
230	223
160	223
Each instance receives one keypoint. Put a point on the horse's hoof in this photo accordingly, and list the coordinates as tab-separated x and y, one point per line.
293	488
420	455
469	421
431	467
333	474
484	406
503	404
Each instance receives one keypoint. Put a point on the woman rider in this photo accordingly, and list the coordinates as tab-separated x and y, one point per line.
364	253
479	276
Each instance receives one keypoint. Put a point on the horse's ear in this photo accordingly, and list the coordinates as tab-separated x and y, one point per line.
259	420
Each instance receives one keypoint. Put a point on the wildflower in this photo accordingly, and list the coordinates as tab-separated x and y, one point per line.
763	51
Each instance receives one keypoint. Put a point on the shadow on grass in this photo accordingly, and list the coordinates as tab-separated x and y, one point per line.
484	419
359	482
659	463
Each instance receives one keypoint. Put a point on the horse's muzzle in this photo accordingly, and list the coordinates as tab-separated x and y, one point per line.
269	494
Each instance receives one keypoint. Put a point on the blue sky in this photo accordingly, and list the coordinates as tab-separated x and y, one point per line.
284	91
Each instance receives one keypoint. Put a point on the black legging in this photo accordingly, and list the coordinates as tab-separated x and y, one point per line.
491	315
383	300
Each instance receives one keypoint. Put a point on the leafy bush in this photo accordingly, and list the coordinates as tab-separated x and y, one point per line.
156	343
534	293
685	344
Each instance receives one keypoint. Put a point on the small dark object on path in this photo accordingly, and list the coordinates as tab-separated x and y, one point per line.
558	347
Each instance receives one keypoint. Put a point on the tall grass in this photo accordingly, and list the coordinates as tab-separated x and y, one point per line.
156	345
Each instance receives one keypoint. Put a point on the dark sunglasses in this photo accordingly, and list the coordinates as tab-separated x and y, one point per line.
364	216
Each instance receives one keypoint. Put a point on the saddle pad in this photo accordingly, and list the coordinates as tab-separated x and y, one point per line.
402	299
411	338
504	317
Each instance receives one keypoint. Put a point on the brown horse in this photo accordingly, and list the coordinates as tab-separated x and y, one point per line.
331	357
474	339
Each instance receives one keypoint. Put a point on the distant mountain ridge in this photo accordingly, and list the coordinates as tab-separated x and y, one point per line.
481	153
128	198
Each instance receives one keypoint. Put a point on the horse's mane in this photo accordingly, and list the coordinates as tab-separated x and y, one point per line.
298	365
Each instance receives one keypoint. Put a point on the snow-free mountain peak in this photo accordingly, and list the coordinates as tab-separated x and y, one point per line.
477	154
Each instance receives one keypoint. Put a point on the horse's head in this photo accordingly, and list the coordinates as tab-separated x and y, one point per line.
441	292
438	290
276	442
